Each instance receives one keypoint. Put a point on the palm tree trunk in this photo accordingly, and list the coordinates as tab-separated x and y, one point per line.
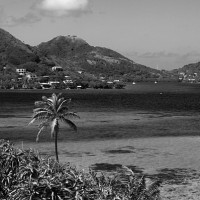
56	145
56	140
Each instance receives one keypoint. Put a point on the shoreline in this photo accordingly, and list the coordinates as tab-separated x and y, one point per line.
140	87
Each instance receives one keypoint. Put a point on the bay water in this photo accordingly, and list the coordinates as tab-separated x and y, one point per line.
147	126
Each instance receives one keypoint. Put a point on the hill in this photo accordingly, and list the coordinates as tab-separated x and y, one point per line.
190	68
188	73
13	51
73	54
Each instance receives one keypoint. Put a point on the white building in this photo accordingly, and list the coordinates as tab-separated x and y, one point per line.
31	76
21	71
45	86
57	68
53	82
80	72
67	81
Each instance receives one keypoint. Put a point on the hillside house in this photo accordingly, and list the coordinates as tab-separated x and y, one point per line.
79	87
45	86
44	79
21	71
57	69
31	76
80	72
53	83
68	81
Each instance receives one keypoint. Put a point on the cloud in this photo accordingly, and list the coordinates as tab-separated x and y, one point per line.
9	21
29	18
47	8
164	60
1	13
158	54
64	4
61	8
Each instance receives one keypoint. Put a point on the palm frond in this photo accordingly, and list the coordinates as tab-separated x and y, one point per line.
40	130
54	97
63	110
49	101
69	122
60	103
32	121
41	115
40	103
59	95
71	115
44	124
44	98
60	100
53	101
36	110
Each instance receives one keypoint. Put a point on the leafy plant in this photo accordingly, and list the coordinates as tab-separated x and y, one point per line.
25	175
49	112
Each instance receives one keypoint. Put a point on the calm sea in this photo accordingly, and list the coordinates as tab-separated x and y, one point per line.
172	97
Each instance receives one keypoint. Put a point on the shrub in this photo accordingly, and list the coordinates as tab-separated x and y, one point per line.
24	174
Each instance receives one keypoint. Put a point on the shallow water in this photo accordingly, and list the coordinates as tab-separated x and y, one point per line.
146	154
148	126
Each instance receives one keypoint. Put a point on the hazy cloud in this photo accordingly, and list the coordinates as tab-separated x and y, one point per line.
8	21
64	4
29	18
59	8
1	13
157	54
164	60
2	16
49	8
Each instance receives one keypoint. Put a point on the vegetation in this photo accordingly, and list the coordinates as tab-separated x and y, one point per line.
49	112
73	54
25	175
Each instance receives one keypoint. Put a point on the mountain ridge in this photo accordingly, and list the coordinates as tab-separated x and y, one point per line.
72	54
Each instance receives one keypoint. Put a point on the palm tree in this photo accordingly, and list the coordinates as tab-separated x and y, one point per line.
49	112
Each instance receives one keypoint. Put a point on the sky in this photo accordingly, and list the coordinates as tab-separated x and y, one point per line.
162	34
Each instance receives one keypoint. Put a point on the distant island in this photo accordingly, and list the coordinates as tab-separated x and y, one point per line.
69	62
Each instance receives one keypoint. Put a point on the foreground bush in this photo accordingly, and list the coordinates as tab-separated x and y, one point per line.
24	175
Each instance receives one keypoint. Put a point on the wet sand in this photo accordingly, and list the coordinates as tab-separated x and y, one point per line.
147	154
149	141
106	125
